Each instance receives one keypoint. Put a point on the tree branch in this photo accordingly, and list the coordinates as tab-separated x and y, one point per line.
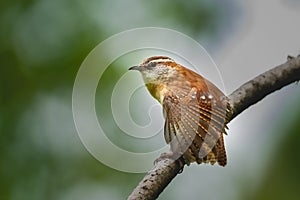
165	169
264	84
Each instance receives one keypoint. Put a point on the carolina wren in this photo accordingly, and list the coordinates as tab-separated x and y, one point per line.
194	110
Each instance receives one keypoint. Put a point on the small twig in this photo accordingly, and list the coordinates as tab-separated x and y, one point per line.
164	170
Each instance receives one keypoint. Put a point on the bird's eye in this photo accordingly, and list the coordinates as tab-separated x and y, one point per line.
152	64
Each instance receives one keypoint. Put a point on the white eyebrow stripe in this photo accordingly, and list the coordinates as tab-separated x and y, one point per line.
162	60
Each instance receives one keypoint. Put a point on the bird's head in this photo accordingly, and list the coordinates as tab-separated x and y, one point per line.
156	69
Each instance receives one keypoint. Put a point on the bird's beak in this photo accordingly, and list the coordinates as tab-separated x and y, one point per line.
134	68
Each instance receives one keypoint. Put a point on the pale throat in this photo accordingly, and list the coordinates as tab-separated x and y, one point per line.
158	91
156	81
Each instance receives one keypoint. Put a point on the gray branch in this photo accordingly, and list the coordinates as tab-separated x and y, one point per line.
165	169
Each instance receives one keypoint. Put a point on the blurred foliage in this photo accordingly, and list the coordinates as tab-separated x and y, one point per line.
42	44
282	177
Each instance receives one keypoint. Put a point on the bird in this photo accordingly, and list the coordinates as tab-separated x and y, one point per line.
194	109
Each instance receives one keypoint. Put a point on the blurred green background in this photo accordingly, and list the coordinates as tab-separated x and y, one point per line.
43	43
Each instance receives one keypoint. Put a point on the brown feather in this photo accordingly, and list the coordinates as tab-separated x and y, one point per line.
199	119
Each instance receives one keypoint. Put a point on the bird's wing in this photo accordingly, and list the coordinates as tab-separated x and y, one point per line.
194	126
